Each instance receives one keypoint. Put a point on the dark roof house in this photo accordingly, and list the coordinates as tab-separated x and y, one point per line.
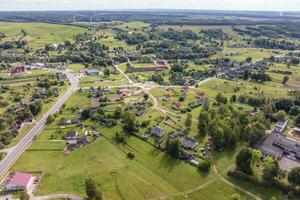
157	131
71	135
189	143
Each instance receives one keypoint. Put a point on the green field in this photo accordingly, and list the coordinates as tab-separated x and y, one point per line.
255	54
111	42
39	34
131	26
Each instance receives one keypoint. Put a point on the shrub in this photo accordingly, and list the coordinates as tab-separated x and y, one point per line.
204	166
130	155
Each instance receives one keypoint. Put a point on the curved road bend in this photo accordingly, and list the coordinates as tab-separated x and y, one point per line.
17	150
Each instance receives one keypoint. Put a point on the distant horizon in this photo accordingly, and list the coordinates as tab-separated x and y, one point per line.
153	9
124	5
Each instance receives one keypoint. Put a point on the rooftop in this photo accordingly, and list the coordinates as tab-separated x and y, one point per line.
189	143
159	132
19	179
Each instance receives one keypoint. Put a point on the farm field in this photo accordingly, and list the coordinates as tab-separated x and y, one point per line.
40	34
244	53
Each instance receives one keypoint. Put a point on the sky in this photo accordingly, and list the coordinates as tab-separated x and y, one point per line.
258	5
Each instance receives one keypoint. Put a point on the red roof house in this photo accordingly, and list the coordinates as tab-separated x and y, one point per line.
17	70
176	106
200	94
18	181
167	97
17	124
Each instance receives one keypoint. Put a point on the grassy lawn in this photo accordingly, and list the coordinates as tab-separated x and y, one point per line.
293	79
111	42
39	34
269	89
30	74
76	67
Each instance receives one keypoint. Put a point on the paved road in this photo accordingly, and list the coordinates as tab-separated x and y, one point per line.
17	150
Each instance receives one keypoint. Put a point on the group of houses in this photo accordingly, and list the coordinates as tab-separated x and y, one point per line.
73	140
188	144
158	65
200	96
139	107
20	109
238	69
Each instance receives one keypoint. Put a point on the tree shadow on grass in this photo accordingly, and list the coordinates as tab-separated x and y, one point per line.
168	162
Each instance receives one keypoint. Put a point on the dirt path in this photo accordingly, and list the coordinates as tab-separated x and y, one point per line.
56	196
224	180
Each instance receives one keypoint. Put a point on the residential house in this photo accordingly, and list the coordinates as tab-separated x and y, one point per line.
167	97
189	143
176	106
158	132
71	135
18	181
280	126
16	125
55	90
16	71
82	140
200	95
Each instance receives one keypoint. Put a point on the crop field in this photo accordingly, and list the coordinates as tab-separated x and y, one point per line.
40	34
244	53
